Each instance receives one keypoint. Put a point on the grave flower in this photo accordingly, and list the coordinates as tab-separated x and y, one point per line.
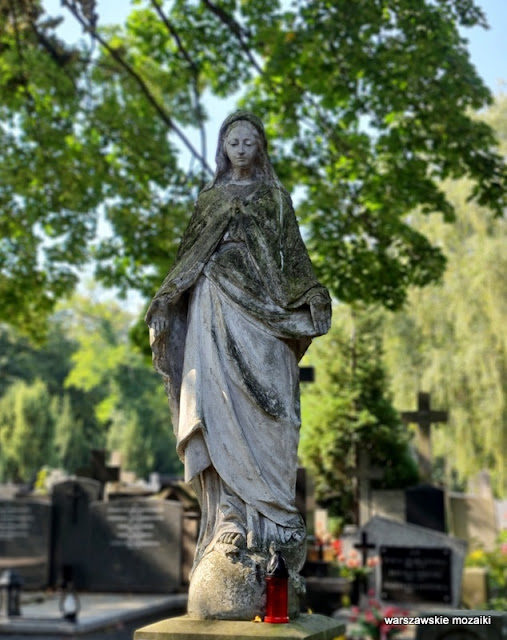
375	622
350	565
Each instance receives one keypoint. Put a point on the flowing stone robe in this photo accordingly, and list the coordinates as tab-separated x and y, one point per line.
229	360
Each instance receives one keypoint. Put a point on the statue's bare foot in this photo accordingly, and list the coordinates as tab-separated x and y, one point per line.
232	538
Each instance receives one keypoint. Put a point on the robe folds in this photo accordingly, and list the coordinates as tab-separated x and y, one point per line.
239	320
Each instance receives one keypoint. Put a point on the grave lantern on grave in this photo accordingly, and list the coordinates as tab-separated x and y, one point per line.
277	595
10	594
69	602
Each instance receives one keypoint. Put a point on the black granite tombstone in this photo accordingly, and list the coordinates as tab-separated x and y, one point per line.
415	574
425	506
25	526
136	546
71	528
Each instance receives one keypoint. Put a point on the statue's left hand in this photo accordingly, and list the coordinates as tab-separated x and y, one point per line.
321	314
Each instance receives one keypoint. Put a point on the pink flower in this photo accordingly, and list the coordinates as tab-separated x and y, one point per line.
369	617
354	613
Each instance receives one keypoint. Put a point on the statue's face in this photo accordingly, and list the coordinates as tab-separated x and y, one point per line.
241	146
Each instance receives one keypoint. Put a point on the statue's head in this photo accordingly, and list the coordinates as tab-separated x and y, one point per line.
245	122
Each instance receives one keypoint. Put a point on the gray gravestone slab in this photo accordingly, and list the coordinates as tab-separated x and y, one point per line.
136	546
474	519
24	540
388	503
425	507
390	533
464	625
501	514
71	528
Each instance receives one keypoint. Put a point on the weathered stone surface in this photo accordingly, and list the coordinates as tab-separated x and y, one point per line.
309	627
24	540
232	587
228	326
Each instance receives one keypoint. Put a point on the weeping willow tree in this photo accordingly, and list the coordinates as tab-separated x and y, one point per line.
451	338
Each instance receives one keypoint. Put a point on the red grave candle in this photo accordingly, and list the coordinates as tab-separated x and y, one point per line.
277	592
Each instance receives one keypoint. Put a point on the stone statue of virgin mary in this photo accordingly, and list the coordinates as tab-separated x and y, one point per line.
228	326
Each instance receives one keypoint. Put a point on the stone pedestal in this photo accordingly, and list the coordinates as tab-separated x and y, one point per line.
310	627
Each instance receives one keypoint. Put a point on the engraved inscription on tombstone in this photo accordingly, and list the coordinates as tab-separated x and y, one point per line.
136	545
24	540
416	574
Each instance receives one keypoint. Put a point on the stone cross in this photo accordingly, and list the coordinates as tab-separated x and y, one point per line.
424	417
365	473
364	546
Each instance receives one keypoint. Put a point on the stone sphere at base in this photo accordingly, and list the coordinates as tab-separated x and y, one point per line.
232	587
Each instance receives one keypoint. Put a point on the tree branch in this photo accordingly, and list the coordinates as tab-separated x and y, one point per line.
237	31
166	118
195	78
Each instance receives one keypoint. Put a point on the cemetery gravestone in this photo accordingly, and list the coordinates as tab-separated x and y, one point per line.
417	564
389	503
71	528
189	535
425	506
415	574
365	473
24	540
464	625
474	519
480	484
501	514
136	546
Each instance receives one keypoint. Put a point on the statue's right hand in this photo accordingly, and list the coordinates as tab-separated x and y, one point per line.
156	316
158	324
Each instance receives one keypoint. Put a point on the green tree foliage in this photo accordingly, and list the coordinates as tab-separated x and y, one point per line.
70	442
97	393
131	404
26	430
451	339
348	410
20	360
367	104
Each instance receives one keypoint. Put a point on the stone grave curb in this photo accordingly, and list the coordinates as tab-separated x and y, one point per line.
307	626
37	626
